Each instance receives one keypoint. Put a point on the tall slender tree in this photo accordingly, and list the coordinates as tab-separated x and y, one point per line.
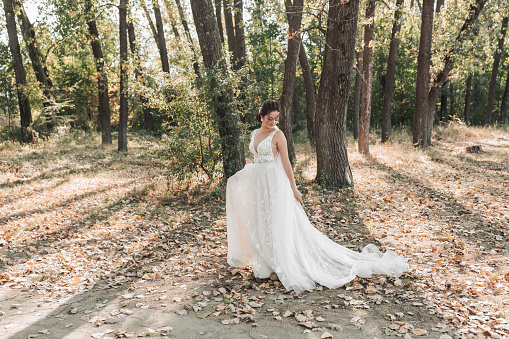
505	102
222	97
367	84
102	77
189	37
161	41
310	93
357	95
294	13
422	83
333	168
391	73
494	73
123	113
148	120
439	79
466	111
40	69
19	72
219	20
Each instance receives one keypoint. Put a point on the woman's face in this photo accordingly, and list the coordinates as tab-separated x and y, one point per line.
271	119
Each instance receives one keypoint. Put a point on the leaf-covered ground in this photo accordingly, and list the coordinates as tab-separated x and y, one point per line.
96	244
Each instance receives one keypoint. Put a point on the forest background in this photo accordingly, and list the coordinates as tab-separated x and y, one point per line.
102	66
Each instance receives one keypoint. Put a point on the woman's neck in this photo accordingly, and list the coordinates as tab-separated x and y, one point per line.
267	129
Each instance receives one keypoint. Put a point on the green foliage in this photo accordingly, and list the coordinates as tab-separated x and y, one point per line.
191	143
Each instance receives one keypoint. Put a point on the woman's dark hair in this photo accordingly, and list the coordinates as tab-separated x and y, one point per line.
267	107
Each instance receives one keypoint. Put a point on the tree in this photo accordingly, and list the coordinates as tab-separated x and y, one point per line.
367	85
189	38
310	93
221	95
422	83
391	73
448	62
40	70
19	72
148	120
294	13
122	128
466	112
494	73
102	77
504	105
157	33
357	95
333	168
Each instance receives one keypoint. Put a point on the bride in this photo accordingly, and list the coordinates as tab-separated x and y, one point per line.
269	230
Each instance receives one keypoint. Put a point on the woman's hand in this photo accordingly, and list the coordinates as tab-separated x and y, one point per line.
298	196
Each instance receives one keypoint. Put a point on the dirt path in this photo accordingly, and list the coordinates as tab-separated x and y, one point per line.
94	244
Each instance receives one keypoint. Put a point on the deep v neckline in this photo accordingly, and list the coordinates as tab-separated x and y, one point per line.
254	138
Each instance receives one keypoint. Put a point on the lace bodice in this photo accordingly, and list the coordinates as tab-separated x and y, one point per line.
263	153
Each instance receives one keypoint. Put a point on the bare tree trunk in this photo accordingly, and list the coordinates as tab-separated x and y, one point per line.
505	102
219	20
443	106
466	112
19	71
189	37
391	74
494	73
122	128
439	80
230	29
213	59
333	168
438	6
294	13
150	23
161	41
367	74
240	40
357	96
422	83
102	78
310	93
41	72
148	120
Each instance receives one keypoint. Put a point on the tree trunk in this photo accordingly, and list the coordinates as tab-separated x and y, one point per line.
150	23
161	41
41	72
219	20
294	13
494	73
310	93
505	99
230	29
19	72
333	168
211	48
438	6
148	120
357	96
443	75
466	112
240	39
367	74
102	78
183	19
422	83
391	74
443	106
171	17
122	128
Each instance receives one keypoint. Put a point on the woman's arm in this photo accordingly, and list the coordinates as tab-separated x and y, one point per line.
282	147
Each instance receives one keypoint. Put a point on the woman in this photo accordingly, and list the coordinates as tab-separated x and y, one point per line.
268	228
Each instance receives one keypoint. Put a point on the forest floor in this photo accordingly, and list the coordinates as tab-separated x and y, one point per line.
98	244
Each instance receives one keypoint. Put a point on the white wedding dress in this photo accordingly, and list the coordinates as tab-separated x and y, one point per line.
268	229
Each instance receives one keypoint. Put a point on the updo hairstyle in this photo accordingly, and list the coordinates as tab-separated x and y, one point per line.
267	107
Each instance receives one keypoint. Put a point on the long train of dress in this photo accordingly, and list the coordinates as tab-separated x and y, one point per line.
269	229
